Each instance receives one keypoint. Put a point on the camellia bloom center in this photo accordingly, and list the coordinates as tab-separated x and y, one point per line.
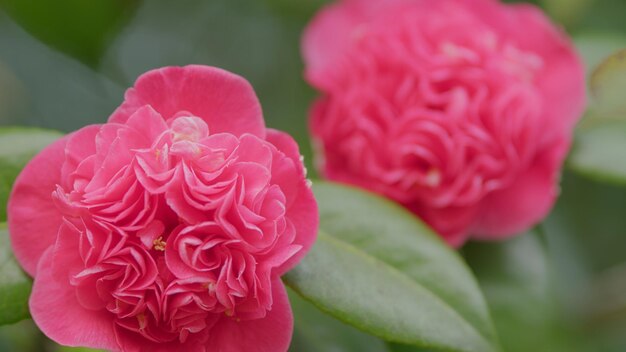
170	224
460	110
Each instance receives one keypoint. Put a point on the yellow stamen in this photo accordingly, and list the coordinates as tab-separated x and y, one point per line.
433	178
141	318
159	244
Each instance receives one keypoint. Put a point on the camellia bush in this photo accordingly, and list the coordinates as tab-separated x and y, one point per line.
345	175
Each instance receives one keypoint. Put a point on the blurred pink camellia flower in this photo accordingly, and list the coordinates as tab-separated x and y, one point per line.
167	228
461	110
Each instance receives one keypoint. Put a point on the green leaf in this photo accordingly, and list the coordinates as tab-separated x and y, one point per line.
596	47
608	86
302	10
378	268
600	152
515	276
315	331
583	234
17	146
567	12
15	285
76	349
396	347
82	29
23	336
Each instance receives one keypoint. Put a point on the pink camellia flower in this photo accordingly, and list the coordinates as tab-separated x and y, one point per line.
167	228
461	110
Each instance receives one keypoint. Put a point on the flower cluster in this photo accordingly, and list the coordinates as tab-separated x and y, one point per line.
167	228
461	110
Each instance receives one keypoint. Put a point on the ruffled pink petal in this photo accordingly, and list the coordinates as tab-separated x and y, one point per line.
269	334
148	122
56	312
516	209
302	211
80	145
224	100
284	143
562	75
33	218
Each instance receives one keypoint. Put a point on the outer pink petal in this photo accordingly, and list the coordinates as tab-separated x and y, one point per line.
303	212
33	217
563	79
333	31
327	37
135	343
269	334
224	100
516	209
451	223
60	316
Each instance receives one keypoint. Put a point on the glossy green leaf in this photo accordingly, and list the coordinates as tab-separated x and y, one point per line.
304	9
17	146
15	285
315	331
566	12
23	336
378	268
584	234
596	47
396	347
515	276
82	29
600	152
76	349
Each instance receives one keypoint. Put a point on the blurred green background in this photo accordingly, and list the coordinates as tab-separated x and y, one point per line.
66	63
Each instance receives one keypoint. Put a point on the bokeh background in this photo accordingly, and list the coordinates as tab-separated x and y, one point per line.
65	64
